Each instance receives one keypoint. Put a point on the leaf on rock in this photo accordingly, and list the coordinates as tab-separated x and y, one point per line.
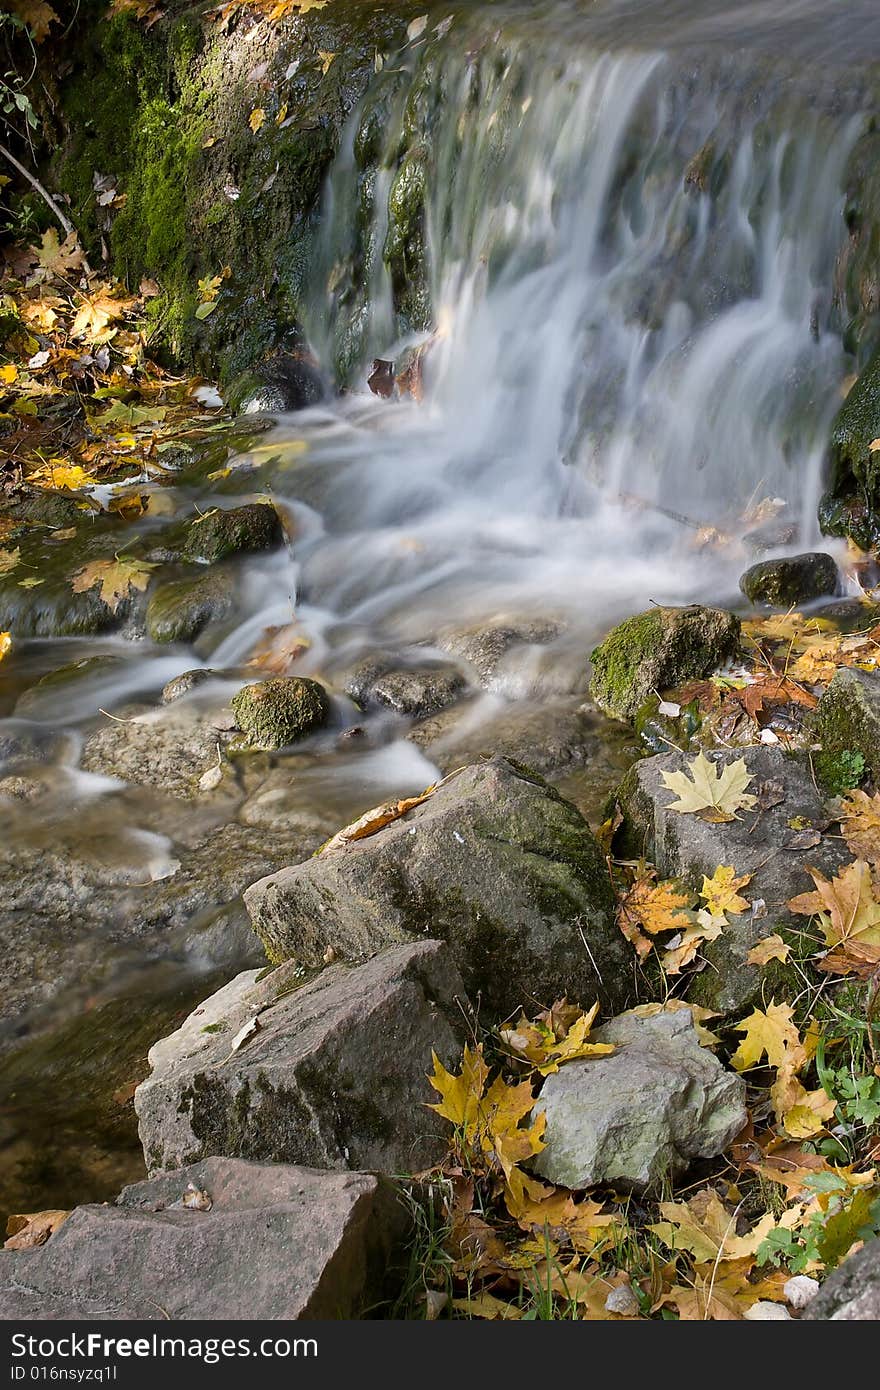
714	795
256	119
769	948
9	559
653	907
116	578
720	893
27	1231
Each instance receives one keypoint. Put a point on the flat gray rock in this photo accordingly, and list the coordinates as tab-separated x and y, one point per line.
278	1242
334	1073
761	843
852	1292
640	1116
496	863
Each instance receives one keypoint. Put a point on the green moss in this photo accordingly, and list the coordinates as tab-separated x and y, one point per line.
847	723
854	467
839	772
652	651
275	713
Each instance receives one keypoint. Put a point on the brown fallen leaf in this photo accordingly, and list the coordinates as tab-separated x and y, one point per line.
381	378
769	948
772	690
27	1231
371	822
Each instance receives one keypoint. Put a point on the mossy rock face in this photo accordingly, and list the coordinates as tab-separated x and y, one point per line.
852	505
652	651
180	610
165	111
847	723
796	579
218	534
278	712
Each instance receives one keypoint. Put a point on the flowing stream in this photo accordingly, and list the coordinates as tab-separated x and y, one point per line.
632	219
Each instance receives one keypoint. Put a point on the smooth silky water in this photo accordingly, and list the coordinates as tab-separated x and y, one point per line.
633	218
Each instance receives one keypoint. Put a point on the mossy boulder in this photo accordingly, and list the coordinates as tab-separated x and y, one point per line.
180	610
275	713
496	863
218	534
652	651
847	722
790	581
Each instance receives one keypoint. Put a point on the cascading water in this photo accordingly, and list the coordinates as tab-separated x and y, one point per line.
621	258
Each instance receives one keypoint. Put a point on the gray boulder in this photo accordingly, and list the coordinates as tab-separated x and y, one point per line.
761	843
277	1242
847	719
417	690
496	863
166	748
653	651
485	646
334	1075
795	579
639	1117
852	1292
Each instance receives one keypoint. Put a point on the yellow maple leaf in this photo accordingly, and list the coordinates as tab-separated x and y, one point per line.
460	1096
62	475
772	1034
326	60
714	795
574	1045
9	374
767	949
9	559
721	892
653	907
5	643
116	578
256	118
802	1113
681	951
98	310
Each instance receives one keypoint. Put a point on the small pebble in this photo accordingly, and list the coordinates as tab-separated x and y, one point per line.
767	1312
801	1290
622	1300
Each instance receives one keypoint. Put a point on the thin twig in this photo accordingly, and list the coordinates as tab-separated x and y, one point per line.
44	193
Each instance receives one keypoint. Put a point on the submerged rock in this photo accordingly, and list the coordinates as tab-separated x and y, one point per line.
180	610
790	581
762	842
417	691
277	712
851	1293
185	683
639	1117
335	1074
485	645
220	1240
847	718
285	381
166	749
219	533
50	693
494	862
652	651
